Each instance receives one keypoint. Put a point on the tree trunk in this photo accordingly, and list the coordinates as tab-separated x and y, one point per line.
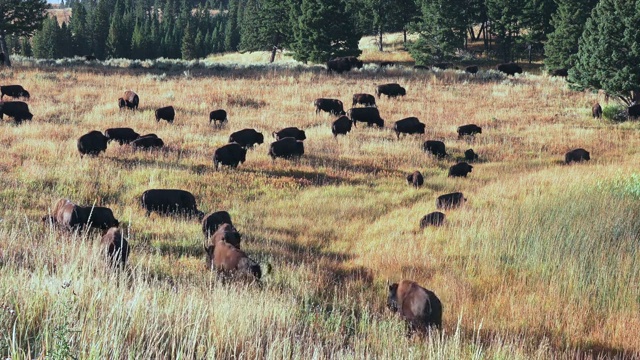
273	54
404	37
4	49
380	39
472	34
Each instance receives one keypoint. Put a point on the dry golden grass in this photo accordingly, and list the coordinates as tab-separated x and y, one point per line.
542	262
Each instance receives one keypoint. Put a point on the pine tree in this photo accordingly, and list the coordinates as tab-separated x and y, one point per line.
79	29
100	26
117	44
64	43
265	26
506	18
199	43
25	47
188	47
19	18
609	53
568	21
45	40
232	30
323	31
139	43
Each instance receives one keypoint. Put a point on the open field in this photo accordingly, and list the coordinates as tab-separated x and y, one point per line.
542	262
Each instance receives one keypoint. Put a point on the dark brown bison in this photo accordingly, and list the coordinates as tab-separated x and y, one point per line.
634	111
212	221
420	307
410	125
435	147
286	148
442	66
420	67
450	201
435	218
509	68
227	233
246	138
470	155
230	260
72	216
147	142
471	69
370	115
115	246
166	113
332	106
14	91
170	201
121	135
470	129
596	111
415	179
293	132
363	99
343	64
231	155
218	115
129	100
18	110
460	169
341	126
391	90
92	143
387	63
560	72
576	155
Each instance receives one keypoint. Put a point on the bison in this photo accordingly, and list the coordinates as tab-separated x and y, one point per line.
435	218
435	147
420	307
470	129
71	216
92	143
218	115
227	233
471	69
370	115
286	148
246	138
229	260
450	201
470	155
293	132
410	125
460	169
230	155
341	126
560	72
332	106
415	179
420	67
212	221
596	111
442	66
391	90
90	58
363	99
576	155
18	110
166	113
343	64
634	111
170	201
509	68
129	100
121	135
14	91
146	142
115	246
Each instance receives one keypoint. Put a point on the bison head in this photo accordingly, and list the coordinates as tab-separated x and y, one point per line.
392	298
26	94
121	103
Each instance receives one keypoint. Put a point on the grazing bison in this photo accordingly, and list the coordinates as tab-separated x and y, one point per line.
72	216
343	64
341	126
212	221
363	99
227	233
470	129
442	65
450	201
293	132
170	201
410	125
115	246
509	68
391	90
435	218
286	148
560	72
596	111
387	63
121	135
470	155
420	307
146	142
420	67
332	106
460	170
471	69
415	179
92	143
18	110
230	155
166	113
14	91
370	115
576	155
129	100
435	147
218	115
246	138
228	259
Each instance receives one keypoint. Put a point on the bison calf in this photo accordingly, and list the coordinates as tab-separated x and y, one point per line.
460	170
167	113
450	201
115	246
420	307
435	218
415	179
576	155
596	111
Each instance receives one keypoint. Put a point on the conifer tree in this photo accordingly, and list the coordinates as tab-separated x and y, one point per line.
442	29
188	47
19	18
45	44
265	26
506	24
78	24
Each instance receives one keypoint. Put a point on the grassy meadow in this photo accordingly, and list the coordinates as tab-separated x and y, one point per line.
542	262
